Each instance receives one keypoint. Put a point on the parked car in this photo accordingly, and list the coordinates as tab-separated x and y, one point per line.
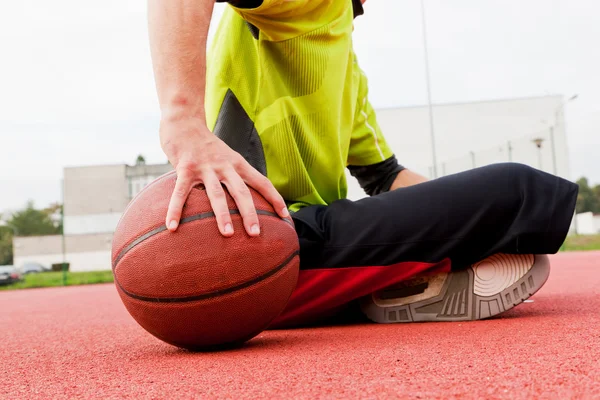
9	274
32	268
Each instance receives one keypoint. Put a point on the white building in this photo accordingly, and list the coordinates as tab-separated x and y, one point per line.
588	223
94	198
477	134
467	135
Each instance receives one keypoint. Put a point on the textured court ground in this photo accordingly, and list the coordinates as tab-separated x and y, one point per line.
79	342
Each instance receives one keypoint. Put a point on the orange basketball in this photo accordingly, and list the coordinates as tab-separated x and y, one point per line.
194	288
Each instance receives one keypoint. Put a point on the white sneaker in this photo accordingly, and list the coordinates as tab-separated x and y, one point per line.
485	289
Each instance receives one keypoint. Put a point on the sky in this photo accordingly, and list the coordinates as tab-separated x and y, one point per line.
76	83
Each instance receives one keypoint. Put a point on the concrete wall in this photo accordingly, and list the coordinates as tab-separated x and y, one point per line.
95	197
95	190
88	224
78	262
83	252
587	224
37	245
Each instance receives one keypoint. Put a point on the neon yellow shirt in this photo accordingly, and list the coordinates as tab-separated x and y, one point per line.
300	84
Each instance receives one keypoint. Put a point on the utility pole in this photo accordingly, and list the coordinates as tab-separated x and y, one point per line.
553	149
428	83
63	242
560	109
538	143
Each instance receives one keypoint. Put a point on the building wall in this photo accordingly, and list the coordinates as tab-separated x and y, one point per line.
34	245
138	176
95	190
78	262
83	252
587	224
466	135
483	128
94	223
95	197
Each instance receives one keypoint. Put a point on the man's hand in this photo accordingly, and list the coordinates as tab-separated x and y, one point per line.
178	30
407	178
200	157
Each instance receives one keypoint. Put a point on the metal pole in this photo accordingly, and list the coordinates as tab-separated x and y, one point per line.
472	159
509	151
540	158
559	110
428	82
15	233
63	242
553	150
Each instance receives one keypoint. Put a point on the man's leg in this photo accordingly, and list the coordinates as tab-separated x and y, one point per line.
352	249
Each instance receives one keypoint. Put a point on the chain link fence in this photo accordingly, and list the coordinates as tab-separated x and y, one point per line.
538	150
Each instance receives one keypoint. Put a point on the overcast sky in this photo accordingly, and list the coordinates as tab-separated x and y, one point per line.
76	84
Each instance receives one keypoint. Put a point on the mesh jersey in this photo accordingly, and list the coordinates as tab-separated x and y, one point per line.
300	85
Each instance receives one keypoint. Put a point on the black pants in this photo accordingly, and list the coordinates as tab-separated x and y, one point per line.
351	249
508	208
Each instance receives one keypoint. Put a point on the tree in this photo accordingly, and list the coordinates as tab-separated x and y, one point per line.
34	222
588	198
596	193
140	160
6	246
29	222
56	213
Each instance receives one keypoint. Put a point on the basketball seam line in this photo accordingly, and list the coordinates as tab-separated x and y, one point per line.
215	293
191	218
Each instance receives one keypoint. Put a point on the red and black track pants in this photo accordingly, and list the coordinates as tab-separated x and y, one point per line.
350	249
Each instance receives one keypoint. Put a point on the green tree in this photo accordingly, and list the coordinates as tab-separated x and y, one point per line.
33	222
56	212
588	198
140	160
6	246
596	191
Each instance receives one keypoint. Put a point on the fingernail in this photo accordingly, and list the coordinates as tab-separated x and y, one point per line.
228	228
254	229
285	212
172	224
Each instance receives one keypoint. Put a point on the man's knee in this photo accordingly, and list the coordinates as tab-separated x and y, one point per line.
513	174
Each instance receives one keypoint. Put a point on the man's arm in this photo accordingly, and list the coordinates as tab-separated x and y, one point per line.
178	31
407	178
384	176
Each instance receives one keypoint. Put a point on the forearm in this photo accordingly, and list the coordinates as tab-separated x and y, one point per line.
407	178
178	31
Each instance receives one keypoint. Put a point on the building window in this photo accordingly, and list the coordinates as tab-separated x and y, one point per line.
136	184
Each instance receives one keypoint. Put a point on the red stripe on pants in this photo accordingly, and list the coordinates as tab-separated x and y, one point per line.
320	291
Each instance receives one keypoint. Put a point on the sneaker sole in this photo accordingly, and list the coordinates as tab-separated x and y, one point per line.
485	289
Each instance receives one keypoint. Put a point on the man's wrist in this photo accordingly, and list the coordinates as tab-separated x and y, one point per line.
407	178
179	126
180	107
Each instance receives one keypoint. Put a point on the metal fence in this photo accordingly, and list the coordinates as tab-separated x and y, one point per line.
538	150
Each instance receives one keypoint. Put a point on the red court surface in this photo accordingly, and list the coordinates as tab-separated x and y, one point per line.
79	342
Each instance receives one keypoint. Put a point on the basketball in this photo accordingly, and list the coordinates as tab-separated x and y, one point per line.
194	288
